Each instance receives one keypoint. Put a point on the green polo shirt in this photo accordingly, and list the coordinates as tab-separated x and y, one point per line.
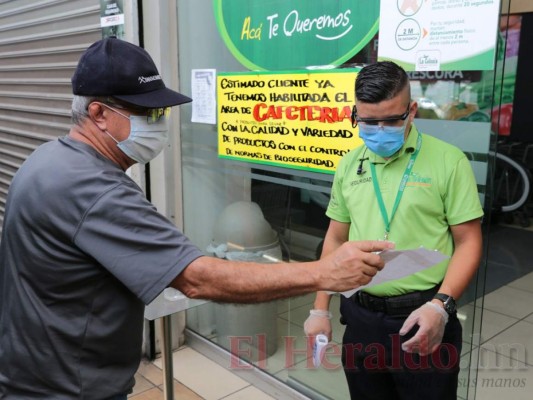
441	191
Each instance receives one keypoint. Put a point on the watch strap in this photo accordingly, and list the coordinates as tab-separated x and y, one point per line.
448	301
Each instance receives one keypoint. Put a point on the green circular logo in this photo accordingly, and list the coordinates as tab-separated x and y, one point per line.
281	34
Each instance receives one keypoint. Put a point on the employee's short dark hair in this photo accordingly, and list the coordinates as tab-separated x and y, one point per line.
380	81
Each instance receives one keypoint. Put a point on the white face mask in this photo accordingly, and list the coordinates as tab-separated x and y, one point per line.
146	140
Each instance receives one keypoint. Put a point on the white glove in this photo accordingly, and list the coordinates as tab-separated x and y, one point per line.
431	319
319	321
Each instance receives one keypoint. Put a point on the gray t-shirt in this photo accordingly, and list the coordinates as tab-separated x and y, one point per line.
82	252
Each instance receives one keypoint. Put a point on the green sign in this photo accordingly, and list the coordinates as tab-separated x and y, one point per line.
281	34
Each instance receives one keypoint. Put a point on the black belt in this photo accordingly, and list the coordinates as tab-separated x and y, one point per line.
395	305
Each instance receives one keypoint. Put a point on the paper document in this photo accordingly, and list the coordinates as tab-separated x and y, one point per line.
203	90
401	263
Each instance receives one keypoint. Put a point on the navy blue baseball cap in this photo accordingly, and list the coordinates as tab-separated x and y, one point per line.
119	69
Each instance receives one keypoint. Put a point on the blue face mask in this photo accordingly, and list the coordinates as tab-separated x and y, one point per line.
146	139
382	140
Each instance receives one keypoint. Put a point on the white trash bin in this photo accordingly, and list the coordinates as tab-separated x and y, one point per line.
241	233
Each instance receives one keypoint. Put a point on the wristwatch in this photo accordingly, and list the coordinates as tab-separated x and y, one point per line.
448	301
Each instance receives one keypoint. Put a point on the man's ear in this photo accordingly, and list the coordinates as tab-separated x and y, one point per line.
98	115
413	111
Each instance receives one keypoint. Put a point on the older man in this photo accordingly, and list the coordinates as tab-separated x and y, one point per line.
83	251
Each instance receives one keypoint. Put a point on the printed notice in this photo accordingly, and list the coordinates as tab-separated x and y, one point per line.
203	82
112	18
439	35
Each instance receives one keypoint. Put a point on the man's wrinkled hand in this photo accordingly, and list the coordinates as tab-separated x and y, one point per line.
353	264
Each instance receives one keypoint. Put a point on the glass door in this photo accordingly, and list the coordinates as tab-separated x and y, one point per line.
460	107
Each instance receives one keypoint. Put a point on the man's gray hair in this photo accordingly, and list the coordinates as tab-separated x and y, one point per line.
80	105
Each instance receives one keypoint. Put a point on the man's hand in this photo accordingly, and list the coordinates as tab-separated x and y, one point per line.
352	265
431	319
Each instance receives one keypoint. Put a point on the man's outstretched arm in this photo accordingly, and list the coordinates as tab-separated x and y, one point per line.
350	266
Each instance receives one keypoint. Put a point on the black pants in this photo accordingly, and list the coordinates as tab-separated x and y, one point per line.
377	368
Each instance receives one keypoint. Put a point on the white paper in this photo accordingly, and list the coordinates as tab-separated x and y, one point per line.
203	90
401	263
112	20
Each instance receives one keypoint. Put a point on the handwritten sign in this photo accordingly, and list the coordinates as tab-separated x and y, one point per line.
296	120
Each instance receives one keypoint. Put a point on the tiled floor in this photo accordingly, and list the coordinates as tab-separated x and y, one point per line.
505	368
196	378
